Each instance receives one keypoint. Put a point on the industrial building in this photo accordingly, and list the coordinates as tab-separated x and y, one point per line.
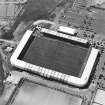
41	95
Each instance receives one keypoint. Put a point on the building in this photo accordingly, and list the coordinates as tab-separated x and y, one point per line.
9	10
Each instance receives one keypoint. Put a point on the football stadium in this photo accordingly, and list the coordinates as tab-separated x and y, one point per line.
55	55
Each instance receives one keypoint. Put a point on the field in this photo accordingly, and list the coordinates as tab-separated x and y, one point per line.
57	55
38	9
